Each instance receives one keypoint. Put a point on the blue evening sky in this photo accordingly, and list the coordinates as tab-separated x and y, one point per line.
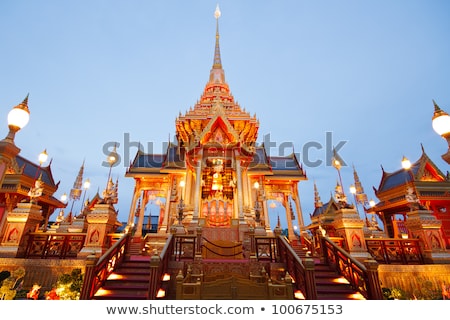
360	72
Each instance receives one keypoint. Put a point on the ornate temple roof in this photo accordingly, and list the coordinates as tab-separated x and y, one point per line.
422	170
21	176
216	102
33	170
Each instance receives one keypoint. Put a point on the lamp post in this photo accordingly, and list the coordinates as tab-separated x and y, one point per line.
36	190
43	156
441	125
353	191
18	118
112	160
406	164
86	186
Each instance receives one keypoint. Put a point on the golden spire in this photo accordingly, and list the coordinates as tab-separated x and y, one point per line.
217	75
361	197
217	61
317	202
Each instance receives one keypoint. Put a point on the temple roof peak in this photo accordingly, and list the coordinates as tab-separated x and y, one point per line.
217	74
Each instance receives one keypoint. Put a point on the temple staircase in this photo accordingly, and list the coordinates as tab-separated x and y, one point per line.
130	281
330	285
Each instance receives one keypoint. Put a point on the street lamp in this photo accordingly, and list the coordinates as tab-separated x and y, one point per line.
112	159
43	156
406	164
353	191
86	186
441	124
18	118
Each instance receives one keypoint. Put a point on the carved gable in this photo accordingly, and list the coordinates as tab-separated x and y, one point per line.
430	173
219	131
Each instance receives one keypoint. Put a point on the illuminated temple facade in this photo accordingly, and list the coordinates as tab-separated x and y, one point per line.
216	174
213	235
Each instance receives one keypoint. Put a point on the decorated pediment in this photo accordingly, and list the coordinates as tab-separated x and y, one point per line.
219	131
429	172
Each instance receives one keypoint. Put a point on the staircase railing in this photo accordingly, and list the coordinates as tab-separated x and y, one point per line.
98	270
301	272
402	251
362	277
46	245
184	247
159	265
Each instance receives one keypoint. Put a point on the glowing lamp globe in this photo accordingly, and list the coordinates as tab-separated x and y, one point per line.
87	184
441	123
43	156
18	117
406	164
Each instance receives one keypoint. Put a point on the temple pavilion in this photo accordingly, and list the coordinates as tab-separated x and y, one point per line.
216	175
212	237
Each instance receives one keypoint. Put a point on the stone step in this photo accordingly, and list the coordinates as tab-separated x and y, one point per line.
121	294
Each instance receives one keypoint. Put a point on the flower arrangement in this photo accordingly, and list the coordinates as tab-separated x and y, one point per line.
68	287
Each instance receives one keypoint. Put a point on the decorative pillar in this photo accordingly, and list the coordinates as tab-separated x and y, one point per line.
89	278
140	222
188	187
18	117
198	186
136	195
291	234
239	188
266	216
373	281
101	221
25	218
8	151
301	223
423	225
165	223
350	226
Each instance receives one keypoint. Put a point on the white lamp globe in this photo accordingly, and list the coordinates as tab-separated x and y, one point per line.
18	117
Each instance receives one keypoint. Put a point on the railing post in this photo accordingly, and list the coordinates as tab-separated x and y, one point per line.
288	284
199	242
323	254
155	276
180	279
373	280
89	275
310	279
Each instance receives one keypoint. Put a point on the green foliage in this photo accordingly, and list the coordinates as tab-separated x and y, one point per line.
394	294
68	286
11	285
425	290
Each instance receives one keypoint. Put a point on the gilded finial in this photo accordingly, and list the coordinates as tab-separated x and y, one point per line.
217	13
